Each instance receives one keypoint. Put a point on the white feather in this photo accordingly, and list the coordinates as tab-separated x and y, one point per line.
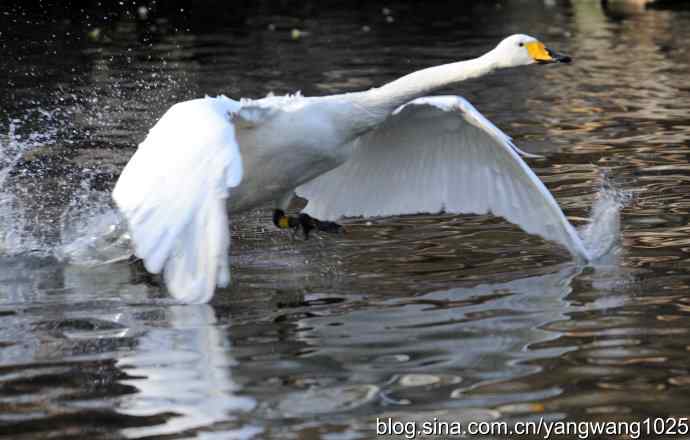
173	194
439	154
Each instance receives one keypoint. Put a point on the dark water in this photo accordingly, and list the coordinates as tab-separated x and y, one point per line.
463	318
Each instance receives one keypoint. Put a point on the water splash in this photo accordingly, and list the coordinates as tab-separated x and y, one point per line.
87	229
91	230
55	210
17	142
602	235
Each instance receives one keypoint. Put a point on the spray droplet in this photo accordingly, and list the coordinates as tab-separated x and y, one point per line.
601	235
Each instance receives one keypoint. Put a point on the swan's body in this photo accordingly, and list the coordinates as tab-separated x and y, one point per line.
381	152
282	163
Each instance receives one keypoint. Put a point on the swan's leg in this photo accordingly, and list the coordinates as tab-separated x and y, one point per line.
284	221
308	223
280	219
304	222
138	273
284	202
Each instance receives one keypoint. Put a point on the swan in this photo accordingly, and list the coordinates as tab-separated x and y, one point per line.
389	150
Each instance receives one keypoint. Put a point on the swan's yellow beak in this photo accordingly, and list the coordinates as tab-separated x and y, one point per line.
541	54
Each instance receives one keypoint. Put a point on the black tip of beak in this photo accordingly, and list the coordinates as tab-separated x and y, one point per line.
563	58
558	58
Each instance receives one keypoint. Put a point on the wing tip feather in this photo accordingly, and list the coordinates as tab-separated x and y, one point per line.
177	228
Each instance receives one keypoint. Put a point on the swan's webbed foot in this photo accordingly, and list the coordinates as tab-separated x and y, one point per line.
304	222
138	273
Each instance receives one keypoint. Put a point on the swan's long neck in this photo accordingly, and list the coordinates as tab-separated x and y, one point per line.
378	103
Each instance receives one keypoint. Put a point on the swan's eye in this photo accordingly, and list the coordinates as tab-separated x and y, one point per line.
521	44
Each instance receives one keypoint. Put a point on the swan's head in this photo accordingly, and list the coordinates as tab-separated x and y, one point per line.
522	50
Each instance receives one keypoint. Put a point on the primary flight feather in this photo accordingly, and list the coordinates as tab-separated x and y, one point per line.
385	151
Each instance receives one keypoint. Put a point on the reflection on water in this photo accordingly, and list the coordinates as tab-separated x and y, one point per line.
184	367
463	318
404	346
87	341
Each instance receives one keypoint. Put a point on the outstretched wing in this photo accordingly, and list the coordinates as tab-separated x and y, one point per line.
173	194
439	154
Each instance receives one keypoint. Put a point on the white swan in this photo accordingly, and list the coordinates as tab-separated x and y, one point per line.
384	151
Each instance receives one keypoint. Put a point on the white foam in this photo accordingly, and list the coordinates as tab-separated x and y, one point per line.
93	235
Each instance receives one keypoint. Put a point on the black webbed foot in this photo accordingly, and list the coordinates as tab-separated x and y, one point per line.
305	223
138	273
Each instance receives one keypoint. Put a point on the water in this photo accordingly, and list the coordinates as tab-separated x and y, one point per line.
462	318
